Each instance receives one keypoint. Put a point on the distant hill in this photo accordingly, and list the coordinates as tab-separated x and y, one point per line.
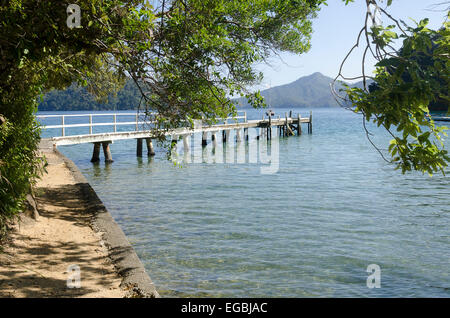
308	91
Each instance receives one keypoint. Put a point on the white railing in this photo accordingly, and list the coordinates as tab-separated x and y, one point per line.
243	116
91	123
63	126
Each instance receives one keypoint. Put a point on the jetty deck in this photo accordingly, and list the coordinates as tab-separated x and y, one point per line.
441	118
287	125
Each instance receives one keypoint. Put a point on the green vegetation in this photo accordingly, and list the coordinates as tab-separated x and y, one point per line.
185	58
39	52
77	97
407	82
19	166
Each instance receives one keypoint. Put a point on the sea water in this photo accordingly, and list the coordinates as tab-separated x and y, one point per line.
310	229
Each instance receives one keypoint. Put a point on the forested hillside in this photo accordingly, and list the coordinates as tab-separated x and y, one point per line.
78	98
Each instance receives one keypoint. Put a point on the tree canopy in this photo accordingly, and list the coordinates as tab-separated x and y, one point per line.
186	56
406	82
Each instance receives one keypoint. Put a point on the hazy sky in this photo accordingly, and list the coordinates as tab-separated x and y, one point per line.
335	31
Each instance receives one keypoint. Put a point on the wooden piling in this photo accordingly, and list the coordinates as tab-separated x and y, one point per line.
285	125
299	126
107	152
204	139
310	122
186	143
238	135
150	149
214	138
96	152
139	147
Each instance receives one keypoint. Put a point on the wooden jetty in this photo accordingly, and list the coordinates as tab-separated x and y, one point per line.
287	125
440	118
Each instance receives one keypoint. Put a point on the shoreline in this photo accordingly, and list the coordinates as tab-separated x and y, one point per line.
73	228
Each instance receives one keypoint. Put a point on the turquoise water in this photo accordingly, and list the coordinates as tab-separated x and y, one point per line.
309	230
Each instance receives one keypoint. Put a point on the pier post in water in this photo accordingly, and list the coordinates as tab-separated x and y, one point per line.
224	136
286	133
139	147
96	152
204	139
214	138
107	152
299	126
238	135
310	123
150	150
186	143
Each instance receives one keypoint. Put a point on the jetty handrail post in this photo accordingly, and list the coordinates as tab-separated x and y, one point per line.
62	126
245	116
137	120
286	124
115	122
90	124
299	127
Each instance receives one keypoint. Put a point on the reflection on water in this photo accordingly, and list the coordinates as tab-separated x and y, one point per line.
220	227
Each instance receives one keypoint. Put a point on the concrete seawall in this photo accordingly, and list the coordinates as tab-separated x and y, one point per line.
125	260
